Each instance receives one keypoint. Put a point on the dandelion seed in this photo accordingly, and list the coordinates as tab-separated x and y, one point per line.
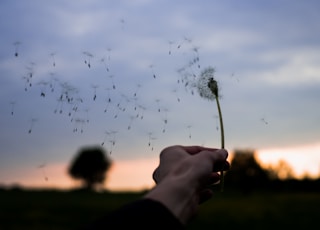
189	127
109	51
53	59
87	114
107	106
137	89
234	76
131	121
135	103
151	140
175	92
170	44
112	139
152	143
32	122
165	120
43	85
105	138
158	101
108	92
105	64
103	60
53	80
142	113
122	21
73	108
16	45
217	120
95	91
42	167
196	58
264	121
153	74
113	85
12	106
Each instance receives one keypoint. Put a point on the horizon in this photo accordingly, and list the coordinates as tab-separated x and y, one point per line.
136	175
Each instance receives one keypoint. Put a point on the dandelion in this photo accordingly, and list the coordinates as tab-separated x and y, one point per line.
208	88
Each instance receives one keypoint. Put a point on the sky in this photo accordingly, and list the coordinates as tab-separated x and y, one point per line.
123	75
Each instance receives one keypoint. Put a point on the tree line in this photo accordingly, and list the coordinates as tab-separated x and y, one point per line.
91	166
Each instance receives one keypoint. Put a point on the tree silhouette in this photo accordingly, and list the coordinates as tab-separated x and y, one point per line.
90	165
245	172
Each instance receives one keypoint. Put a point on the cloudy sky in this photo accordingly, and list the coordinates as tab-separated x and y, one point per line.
123	75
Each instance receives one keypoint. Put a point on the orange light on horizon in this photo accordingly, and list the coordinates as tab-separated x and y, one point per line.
132	174
124	175
136	174
304	160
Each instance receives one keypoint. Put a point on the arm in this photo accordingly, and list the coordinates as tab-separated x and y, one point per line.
182	179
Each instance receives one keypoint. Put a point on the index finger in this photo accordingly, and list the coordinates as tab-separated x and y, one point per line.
196	149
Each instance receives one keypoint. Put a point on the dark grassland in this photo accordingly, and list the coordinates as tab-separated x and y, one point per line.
58	210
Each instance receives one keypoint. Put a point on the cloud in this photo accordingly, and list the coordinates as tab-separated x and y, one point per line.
297	66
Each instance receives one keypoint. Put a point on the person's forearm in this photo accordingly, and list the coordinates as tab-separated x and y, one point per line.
179	198
141	214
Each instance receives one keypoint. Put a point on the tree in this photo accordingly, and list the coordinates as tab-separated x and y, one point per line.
245	172
90	165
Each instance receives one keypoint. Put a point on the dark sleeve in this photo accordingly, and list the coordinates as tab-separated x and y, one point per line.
141	214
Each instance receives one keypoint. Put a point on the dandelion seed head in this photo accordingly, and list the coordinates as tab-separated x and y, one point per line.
207	86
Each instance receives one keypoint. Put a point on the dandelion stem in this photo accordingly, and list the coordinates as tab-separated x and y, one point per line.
222	142
212	84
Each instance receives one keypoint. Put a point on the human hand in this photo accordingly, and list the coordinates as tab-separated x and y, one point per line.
184	175
204	164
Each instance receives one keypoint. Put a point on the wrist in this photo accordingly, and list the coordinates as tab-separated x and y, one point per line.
181	199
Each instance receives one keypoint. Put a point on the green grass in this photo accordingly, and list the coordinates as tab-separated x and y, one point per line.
68	210
259	211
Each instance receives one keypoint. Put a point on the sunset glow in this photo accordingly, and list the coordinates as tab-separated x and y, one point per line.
136	175
304	160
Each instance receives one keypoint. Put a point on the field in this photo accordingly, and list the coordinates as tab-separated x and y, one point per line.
59	210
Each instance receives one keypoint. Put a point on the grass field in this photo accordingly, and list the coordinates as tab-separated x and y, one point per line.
61	210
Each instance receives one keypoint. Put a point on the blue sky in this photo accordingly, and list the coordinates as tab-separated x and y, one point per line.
144	56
